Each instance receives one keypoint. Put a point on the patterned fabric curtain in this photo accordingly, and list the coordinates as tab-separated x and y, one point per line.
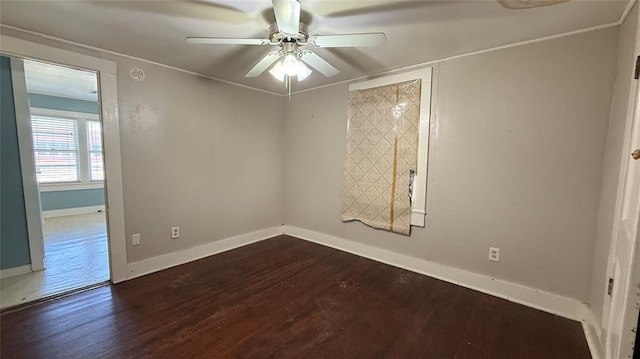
382	152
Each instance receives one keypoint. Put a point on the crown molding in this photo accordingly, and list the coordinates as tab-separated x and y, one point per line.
431	63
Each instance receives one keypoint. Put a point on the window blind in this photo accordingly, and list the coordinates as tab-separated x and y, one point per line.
94	146
55	149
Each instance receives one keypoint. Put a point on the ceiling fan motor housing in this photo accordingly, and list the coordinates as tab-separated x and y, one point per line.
276	36
289	47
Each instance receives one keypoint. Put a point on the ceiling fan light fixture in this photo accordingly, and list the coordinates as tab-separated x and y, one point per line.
290	66
303	72
277	71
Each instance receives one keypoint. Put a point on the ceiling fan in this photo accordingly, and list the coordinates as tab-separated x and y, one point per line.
292	36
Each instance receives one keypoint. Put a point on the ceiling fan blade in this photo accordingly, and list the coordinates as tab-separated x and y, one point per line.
318	63
336	9
184	9
226	41
263	64
348	40
287	15
527	4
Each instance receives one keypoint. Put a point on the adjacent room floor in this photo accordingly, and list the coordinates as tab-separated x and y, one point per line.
286	298
76	256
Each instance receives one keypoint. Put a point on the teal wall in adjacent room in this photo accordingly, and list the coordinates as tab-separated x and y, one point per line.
14	238
62	103
72	199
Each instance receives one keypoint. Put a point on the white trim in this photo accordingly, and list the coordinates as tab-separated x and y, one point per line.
626	12
12	272
592	334
631	113
111	135
622	325
412	67
424	74
548	302
155	264
632	300
417	217
27	165
26	49
420	181
70	186
71	211
62	96
39	111
436	62
135	58
82	150
114	192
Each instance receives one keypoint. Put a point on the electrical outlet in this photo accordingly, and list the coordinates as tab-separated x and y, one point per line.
135	239
494	254
175	232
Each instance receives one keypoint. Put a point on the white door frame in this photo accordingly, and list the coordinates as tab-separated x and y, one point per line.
621	331
619	322
32	204
630	289
106	71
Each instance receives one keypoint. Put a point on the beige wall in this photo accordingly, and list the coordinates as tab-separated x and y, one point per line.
517	144
196	153
199	154
611	169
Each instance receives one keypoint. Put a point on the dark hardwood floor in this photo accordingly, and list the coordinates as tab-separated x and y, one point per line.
286	298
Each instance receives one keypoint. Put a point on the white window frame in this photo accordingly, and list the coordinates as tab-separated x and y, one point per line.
84	174
89	151
418	212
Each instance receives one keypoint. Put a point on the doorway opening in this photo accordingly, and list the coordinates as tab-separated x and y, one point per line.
65	141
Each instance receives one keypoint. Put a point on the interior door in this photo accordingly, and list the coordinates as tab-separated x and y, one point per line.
625	270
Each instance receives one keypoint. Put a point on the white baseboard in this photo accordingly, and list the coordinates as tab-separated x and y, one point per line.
71	211
155	264
552	303
12	272
517	293
593	334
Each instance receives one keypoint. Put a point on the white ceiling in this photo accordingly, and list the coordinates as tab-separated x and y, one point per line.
60	81
418	31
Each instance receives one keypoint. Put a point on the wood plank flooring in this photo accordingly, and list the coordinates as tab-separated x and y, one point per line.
76	255
286	298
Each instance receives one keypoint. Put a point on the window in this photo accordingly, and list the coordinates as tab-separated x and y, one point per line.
420	181
94	146
67	147
55	148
